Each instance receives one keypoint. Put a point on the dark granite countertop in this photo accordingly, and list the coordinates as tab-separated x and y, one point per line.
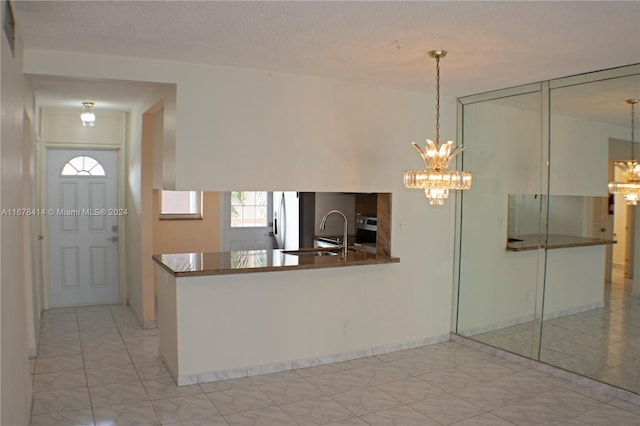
246	261
554	241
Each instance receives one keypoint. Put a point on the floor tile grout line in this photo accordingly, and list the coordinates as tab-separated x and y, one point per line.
597	323
84	367
589	396
383	362
153	407
548	408
324	395
347	408
79	387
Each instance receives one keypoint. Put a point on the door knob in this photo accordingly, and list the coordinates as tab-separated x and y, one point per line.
112	239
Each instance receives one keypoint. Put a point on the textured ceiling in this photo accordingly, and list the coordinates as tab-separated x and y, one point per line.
491	44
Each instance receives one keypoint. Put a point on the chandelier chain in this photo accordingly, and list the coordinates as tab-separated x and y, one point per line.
438	101
633	126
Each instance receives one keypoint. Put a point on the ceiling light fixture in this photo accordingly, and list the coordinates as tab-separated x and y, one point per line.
630	188
88	117
437	180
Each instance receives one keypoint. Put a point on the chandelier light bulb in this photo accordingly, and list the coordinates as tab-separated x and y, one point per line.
88	117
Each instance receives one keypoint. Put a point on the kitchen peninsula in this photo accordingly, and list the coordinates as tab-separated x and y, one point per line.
233	314
575	270
246	261
553	241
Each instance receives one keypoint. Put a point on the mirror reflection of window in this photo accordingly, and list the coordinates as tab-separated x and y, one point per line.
184	261
248	259
181	205
248	209
513	216
581	216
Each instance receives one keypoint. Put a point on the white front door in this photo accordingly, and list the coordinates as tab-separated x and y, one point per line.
82	211
244	235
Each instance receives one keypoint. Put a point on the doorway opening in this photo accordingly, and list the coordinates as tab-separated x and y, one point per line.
624	228
82	214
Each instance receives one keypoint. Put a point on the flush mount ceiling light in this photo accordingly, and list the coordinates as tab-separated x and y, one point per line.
88	117
630	188
437	180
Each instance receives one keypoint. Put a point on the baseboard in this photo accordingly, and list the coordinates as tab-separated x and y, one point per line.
592	385
137	315
172	371
496	326
149	324
528	318
213	376
572	311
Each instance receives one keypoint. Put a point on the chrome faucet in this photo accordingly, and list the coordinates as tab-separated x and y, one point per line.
324	222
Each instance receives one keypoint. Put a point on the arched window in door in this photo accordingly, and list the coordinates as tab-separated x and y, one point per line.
83	165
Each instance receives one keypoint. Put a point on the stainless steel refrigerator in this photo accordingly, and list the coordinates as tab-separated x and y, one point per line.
293	219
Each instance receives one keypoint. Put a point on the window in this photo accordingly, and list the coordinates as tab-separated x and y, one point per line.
248	259
180	204
83	166
248	209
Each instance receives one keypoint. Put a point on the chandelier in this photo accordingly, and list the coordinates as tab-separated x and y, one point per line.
437	180
630	188
88	117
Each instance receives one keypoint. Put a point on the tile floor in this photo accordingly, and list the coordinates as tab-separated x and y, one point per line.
600	343
98	367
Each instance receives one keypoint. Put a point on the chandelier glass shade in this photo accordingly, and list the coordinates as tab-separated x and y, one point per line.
437	180
88	117
630	187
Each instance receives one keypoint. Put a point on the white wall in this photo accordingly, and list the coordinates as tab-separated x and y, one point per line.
133	219
529	207
619	149
15	378
566	214
236	128
589	175
63	126
139	196
574	280
31	247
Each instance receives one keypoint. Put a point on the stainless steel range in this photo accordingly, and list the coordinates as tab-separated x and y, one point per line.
366	229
